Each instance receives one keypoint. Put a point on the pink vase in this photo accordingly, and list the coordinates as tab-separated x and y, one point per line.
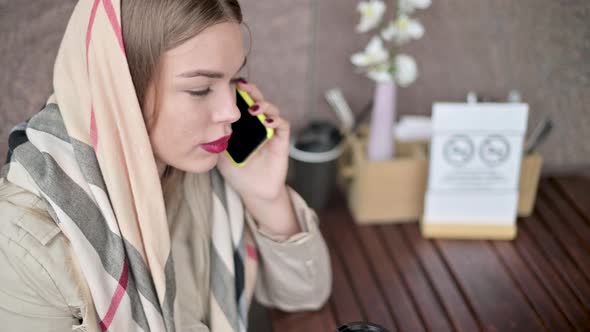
381	145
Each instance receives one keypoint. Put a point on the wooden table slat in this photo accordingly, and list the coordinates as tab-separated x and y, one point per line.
573	221
459	309
327	315
497	301
556	257
550	279
576	189
396	294
566	238
534	291
431	310
343	300
342	238
294	322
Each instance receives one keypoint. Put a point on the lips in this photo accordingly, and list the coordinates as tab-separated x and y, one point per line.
217	146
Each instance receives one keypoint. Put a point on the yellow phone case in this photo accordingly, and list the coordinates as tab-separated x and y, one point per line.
261	117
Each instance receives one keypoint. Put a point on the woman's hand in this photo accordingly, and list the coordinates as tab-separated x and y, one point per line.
265	173
261	181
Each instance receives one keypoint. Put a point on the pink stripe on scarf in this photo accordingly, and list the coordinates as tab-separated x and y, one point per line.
108	7
117	297
110	10
89	29
93	131
251	252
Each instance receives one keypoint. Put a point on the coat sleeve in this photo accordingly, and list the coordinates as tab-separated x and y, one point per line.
32	284
294	274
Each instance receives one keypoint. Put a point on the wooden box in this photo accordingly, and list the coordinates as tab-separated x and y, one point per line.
393	191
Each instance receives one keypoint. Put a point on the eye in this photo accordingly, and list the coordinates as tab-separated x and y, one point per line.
200	93
234	81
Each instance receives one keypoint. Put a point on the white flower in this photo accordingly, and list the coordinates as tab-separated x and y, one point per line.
380	73
375	53
408	6
371	13
406	70
403	29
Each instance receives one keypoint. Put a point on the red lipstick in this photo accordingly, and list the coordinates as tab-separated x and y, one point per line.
217	146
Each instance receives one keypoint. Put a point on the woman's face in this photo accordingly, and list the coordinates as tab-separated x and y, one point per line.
196	99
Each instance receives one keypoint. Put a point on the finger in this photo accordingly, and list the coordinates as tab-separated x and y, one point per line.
264	108
281	126
251	89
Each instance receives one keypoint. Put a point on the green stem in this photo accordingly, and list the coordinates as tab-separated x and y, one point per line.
393	49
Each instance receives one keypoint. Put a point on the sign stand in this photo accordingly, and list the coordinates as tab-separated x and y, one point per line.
475	162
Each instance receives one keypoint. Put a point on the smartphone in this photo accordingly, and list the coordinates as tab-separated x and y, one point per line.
249	132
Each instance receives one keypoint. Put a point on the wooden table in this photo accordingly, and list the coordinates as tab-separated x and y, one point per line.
390	275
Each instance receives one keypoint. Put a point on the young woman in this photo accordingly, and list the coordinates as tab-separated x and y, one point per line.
118	210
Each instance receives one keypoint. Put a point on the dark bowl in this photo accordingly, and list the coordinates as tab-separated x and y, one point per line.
361	327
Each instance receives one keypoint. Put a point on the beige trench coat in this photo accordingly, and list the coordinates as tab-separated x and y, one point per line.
41	288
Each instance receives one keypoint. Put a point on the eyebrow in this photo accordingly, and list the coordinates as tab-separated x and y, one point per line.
208	73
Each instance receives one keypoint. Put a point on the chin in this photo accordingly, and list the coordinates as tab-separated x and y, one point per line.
201	165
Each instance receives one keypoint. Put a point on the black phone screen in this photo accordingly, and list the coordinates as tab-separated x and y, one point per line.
248	133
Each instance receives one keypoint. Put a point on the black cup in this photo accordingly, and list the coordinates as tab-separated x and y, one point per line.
314	153
361	327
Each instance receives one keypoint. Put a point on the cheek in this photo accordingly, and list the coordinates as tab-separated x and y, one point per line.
181	124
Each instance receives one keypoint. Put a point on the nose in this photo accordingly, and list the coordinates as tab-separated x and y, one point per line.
228	111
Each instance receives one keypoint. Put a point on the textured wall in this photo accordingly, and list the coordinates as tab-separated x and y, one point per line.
541	47
30	33
279	59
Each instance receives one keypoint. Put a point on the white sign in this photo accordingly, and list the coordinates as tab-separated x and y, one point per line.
475	158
